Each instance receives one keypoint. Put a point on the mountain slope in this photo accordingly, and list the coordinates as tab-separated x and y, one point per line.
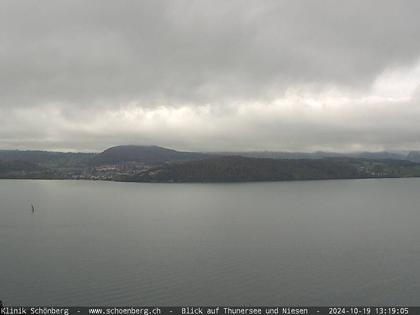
23	169
239	169
414	156
151	155
47	158
242	169
384	155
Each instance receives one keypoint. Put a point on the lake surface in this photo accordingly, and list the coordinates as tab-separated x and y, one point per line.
310	243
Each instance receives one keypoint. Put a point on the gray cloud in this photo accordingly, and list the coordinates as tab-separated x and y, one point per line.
76	74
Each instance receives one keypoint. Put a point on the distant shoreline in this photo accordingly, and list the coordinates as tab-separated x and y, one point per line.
206	182
153	164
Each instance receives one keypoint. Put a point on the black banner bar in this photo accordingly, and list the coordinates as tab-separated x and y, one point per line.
209	310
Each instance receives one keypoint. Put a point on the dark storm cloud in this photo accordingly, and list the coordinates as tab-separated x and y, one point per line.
75	62
80	51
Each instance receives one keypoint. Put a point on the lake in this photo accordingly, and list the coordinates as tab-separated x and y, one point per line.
295	243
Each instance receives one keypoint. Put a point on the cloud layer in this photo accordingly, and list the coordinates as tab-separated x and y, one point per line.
210	75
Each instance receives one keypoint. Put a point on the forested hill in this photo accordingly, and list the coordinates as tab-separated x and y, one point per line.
20	169
150	155
47	158
157	164
239	169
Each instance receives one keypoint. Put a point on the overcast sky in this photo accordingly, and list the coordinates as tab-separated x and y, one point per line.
210	75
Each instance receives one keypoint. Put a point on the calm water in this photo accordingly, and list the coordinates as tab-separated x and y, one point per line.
312	243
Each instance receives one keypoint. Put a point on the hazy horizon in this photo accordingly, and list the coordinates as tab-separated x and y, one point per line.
214	151
210	76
